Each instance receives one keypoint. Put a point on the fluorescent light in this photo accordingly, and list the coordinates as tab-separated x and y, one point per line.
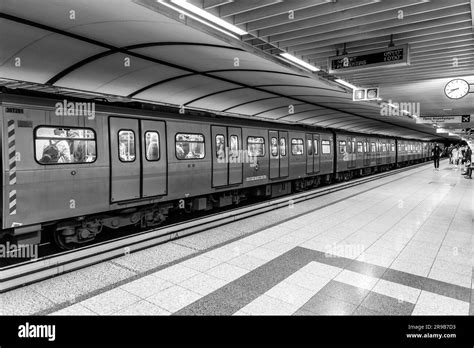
210	17
347	84
196	18
299	62
452	134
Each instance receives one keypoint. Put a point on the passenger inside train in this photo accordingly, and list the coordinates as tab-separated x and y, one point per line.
60	146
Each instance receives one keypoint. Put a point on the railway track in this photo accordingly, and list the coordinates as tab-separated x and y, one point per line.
45	267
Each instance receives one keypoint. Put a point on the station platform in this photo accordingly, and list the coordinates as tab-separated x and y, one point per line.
400	245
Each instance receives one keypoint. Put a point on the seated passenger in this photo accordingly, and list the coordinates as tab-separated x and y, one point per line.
123	152
194	152
63	147
50	154
77	148
274	147
180	153
152	153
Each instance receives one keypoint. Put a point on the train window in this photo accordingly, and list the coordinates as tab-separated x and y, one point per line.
365	147
373	148
359	147
297	147
189	146
220	147
309	145
326	147
58	145
234	146
256	146
393	147
342	147
384	147
316	149
274	147
282	146
126	138
152	146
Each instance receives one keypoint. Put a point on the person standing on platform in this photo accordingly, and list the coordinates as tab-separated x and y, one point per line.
436	152
450	153
468	161
455	157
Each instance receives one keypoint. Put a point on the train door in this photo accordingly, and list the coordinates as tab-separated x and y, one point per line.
219	156
312	154
279	159
124	159
309	154
366	152
274	155
235	155
227	157
317	157
351	153
154	158
378	159
284	158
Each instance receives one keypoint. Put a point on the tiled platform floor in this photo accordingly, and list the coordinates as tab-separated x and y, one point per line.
397	246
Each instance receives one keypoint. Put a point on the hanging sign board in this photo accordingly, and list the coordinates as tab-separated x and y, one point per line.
390	56
444	119
365	94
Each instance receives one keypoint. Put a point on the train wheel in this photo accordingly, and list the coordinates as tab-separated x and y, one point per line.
59	239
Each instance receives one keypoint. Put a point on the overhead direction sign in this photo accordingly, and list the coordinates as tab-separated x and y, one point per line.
445	119
390	56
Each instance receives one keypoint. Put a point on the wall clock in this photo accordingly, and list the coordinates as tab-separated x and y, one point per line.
456	89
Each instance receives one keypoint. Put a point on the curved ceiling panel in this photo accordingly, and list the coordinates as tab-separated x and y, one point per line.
254	78
260	105
310	115
117	74
198	58
26	46
100	20
282	111
306	88
182	91
223	101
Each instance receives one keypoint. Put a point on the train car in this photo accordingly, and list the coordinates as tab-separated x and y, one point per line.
70	176
413	151
358	154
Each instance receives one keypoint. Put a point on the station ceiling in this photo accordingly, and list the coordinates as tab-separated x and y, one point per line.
143	50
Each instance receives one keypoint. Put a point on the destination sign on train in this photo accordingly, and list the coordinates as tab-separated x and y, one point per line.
391	56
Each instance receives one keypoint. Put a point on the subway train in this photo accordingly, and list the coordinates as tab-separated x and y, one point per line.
72	167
